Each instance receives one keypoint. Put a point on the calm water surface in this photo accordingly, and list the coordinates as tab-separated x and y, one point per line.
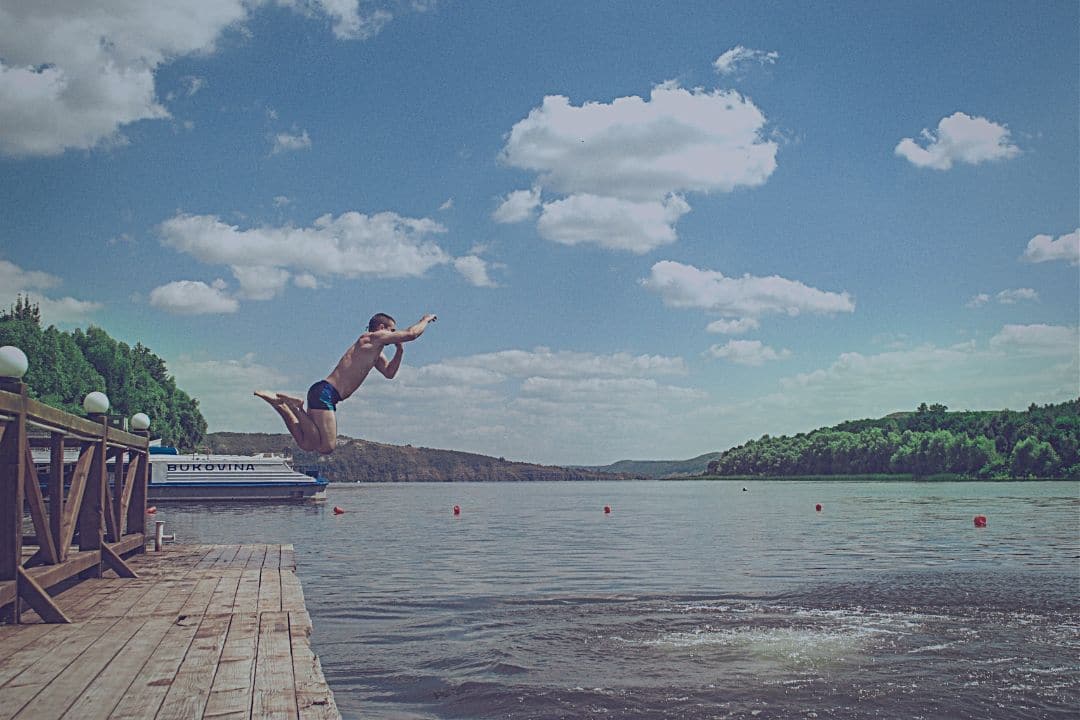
689	600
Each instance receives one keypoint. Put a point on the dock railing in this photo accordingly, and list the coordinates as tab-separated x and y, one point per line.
87	525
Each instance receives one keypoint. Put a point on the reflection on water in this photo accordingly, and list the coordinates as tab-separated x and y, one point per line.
691	599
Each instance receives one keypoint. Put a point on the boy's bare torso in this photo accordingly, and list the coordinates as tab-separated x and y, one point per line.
355	364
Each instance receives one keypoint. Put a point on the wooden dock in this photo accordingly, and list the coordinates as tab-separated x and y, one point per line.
204	631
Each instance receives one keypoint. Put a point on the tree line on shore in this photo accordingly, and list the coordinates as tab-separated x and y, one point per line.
65	366
1041	442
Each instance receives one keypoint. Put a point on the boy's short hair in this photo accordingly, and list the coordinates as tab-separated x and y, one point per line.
379	319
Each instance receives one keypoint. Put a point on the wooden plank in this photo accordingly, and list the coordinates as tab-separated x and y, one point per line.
66	687
292	592
269	590
56	492
314	699
222	602
101	696
8	591
42	667
288	558
199	599
274	697
116	563
150	686
230	695
129	542
76	493
190	688
14	638
48	575
39	600
129	487
12	460
38	514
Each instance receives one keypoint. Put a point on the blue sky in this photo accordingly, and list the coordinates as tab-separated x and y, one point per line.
650	230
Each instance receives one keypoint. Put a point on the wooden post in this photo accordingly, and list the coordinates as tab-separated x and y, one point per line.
118	492
56	492
137	507
12	461
92	513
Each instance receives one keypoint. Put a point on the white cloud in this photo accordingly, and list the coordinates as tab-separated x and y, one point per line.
349	23
14	281
288	142
517	206
612	223
281	200
306	280
1011	297
685	286
634	154
351	245
732	60
75	73
747	352
1044	248
737	326
1038	339
261	283
193	297
978	300
475	270
448	205
959	138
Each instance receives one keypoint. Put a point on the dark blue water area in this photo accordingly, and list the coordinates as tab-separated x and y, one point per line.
690	599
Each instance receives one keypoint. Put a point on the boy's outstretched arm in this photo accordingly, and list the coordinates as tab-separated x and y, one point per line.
393	337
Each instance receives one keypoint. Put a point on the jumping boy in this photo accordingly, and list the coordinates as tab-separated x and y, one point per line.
316	427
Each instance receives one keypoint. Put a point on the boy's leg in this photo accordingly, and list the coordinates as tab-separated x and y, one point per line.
299	425
325	422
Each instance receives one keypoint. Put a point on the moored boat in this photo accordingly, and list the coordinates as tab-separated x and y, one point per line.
229	477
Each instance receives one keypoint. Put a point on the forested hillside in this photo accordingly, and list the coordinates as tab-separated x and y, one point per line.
363	461
1039	442
65	366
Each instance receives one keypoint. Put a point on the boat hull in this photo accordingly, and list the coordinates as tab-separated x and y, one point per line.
236	491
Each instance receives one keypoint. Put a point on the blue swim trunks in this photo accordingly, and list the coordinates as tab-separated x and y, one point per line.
323	396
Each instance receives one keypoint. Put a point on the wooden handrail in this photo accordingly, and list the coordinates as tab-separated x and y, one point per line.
110	523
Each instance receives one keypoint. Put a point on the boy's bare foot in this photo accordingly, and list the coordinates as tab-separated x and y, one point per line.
268	396
293	402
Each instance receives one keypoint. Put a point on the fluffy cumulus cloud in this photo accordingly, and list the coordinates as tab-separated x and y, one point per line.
351	245
32	284
748	352
73	73
475	270
733	60
959	138
1005	297
194	297
518	206
742	298
1038	339
619	171
737	326
1044	248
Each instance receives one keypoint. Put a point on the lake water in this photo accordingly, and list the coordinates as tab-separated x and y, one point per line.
688	600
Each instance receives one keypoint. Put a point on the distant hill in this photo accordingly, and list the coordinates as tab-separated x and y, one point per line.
659	468
362	461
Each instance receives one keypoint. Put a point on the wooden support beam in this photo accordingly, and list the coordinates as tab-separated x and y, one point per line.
75	497
56	492
129	543
116	563
112	532
130	479
46	547
12	460
92	513
48	575
36	597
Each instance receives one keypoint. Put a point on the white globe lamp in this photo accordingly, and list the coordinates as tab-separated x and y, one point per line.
12	362
96	402
140	421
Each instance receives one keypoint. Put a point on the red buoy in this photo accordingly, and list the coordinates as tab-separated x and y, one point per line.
980	521
607	509
818	507
457	509
338	510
